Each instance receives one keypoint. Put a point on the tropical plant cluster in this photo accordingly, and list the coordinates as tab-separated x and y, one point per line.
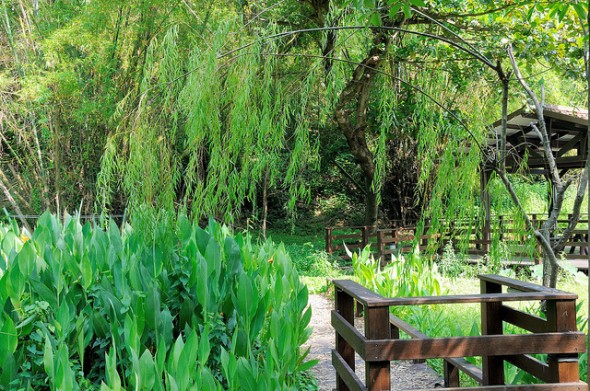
177	307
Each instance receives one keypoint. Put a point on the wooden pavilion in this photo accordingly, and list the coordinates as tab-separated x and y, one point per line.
568	131
567	128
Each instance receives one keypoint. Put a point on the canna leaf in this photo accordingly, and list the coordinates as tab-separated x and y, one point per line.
86	271
147	368
8	338
166	326
26	259
48	362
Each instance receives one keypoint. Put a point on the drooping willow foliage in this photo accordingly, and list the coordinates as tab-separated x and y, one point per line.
449	156
204	129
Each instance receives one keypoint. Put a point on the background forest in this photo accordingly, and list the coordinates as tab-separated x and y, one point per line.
249	109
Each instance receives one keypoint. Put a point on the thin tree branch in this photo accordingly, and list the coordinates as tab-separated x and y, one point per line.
573	222
408	84
387	28
347	174
14	205
480	56
542	128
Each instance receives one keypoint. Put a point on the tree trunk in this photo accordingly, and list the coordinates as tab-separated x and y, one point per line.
351	117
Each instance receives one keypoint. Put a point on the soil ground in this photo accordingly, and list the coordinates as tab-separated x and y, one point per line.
405	375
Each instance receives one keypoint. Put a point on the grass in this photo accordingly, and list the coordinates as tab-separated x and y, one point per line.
315	266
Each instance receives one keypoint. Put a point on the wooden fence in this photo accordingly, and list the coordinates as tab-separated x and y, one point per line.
469	240
556	336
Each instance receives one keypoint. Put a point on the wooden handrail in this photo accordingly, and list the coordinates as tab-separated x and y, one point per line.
556	336
370	299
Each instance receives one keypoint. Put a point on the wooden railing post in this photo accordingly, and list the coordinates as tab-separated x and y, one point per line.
365	238
561	317
380	244
491	324
344	304
377	374
451	374
329	240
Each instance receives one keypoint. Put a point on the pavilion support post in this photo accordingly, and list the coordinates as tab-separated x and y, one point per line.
485	203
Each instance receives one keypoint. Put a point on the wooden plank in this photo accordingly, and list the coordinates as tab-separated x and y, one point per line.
491	324
406	327
474	298
365	296
346	373
371	299
451	374
490	345
529	364
524	286
576	256
530	387
358	236
471	370
344	304
561	316
576	244
349	333
523	320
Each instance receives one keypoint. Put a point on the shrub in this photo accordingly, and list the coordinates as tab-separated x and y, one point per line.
189	309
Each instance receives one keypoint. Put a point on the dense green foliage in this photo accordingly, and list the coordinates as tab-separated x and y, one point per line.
176	307
231	108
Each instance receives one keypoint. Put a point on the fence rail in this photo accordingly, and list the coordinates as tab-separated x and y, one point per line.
472	241
556	336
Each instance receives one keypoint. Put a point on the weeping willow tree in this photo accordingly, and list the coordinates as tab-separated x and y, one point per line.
453	134
208	127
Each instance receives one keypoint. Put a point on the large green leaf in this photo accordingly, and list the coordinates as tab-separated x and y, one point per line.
147	368
8	338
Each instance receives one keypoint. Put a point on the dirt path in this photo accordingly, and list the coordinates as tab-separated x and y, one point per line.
405	374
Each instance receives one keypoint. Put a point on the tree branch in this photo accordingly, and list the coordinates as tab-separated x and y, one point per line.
347	174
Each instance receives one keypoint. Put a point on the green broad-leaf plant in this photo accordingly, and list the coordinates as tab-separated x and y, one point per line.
179	307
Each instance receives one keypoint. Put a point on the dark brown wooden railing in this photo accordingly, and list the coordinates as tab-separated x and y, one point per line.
556	336
401	240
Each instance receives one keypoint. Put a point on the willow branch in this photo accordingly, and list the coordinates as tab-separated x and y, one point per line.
379	71
480	56
476	14
543	241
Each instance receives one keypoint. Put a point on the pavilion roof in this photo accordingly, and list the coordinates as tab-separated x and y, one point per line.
568	131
